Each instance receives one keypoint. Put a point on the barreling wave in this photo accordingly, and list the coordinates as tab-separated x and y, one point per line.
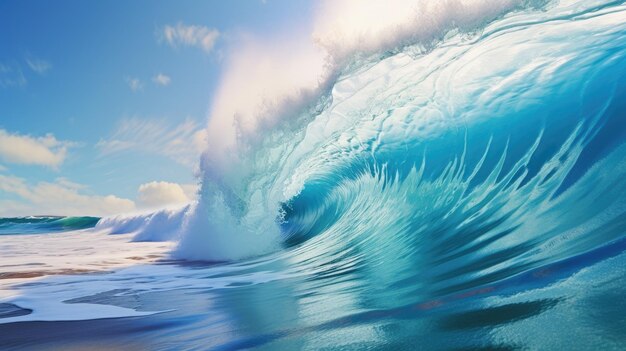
495	148
45	224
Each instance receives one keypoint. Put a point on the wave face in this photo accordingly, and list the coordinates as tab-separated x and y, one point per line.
483	143
44	224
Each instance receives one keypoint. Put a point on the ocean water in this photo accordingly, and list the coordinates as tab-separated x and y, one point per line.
44	224
468	194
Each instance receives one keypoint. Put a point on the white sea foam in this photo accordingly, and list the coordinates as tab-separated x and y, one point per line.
33	268
53	297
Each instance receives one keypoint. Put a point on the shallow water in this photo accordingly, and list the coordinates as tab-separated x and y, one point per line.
277	303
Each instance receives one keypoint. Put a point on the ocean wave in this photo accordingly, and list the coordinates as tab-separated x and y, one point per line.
489	137
44	224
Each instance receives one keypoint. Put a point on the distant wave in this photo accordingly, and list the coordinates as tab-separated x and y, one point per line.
44	224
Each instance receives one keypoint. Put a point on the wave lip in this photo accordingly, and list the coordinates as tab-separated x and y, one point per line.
511	76
479	188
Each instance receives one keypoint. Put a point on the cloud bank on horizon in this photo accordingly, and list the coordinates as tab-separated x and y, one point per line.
62	197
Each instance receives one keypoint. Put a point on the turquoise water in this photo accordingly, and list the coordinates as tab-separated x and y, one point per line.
44	224
466	196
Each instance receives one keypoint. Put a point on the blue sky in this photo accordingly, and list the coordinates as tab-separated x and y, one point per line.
100	98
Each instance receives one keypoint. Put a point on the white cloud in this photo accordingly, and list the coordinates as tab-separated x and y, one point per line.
134	84
181	142
161	79
38	66
11	76
155	195
61	197
190	35
25	149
